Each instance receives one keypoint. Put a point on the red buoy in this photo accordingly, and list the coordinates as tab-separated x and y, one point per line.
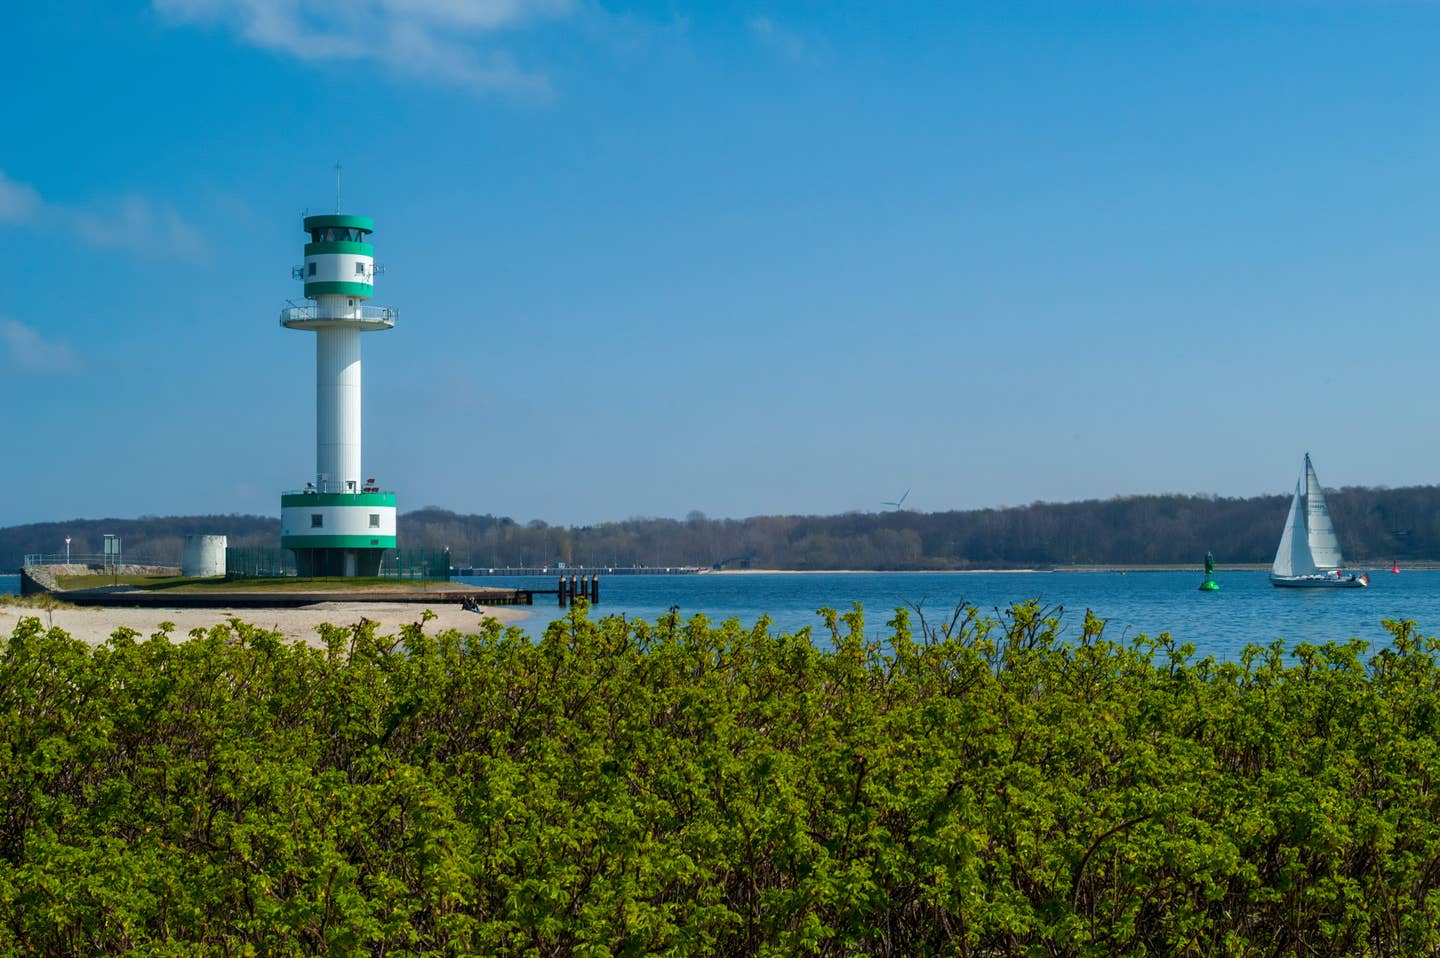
1395	565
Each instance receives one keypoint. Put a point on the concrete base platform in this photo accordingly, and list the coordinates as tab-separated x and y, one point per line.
124	597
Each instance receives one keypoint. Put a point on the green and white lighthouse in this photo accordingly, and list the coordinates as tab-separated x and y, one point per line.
340	524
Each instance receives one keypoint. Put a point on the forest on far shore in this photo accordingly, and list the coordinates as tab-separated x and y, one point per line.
1375	525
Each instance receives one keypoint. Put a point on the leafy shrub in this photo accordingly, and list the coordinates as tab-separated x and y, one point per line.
624	788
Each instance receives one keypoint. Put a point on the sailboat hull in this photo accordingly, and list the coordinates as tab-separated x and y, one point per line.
1319	581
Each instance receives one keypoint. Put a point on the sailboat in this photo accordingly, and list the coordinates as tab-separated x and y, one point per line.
1309	553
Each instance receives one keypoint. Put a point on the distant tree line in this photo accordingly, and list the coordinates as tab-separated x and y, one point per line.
155	538
1374	525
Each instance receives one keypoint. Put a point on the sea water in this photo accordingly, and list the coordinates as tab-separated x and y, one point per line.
1246	610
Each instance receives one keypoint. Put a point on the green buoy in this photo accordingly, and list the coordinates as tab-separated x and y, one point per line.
1209	585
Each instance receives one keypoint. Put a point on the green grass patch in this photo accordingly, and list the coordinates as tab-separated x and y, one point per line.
100	581
42	601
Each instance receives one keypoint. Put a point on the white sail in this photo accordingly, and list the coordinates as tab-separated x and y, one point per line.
1320	533
1309	553
1293	556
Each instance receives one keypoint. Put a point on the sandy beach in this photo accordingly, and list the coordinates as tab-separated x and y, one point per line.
95	625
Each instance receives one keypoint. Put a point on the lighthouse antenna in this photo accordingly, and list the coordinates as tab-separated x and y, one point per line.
337	186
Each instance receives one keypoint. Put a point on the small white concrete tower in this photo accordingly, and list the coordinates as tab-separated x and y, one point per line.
340	523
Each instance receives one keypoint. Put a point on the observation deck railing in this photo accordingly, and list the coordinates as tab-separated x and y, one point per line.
332	486
370	314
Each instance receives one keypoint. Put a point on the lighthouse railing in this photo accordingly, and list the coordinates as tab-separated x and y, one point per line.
335	485
300	314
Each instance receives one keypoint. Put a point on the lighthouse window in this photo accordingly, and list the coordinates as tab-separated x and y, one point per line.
332	234
359	269
312	269
374	520
317	520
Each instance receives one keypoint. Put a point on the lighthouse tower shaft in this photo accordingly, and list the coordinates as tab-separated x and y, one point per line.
340	524
337	409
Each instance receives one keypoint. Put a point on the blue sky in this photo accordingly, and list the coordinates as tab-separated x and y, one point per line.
738	258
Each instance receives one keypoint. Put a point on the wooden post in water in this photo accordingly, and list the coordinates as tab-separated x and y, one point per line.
562	592
594	590
574	582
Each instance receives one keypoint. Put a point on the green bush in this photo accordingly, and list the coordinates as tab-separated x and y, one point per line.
623	788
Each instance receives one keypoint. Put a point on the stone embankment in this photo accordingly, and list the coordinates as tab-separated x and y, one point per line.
37	579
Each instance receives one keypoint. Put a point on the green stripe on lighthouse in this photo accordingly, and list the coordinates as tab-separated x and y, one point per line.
337	542
357	499
339	246
341	220
338	289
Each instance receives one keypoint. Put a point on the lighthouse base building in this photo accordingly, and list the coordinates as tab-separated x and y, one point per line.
337	533
338	524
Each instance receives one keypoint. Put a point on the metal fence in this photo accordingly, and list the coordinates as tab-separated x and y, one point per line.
427	564
264	563
98	560
257	562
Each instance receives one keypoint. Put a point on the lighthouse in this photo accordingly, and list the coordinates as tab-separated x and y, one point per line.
340	524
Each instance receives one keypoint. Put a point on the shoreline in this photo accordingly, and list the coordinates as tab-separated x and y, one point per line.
869	571
1416	565
1236	567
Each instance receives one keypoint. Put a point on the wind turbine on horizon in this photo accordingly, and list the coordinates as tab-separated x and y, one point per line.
898	502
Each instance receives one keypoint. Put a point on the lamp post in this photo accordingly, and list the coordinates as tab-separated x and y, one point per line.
67	550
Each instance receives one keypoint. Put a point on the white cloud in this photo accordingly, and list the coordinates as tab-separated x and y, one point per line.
416	51
18	201
485	14
136	224
29	349
787	43
129	222
431	39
